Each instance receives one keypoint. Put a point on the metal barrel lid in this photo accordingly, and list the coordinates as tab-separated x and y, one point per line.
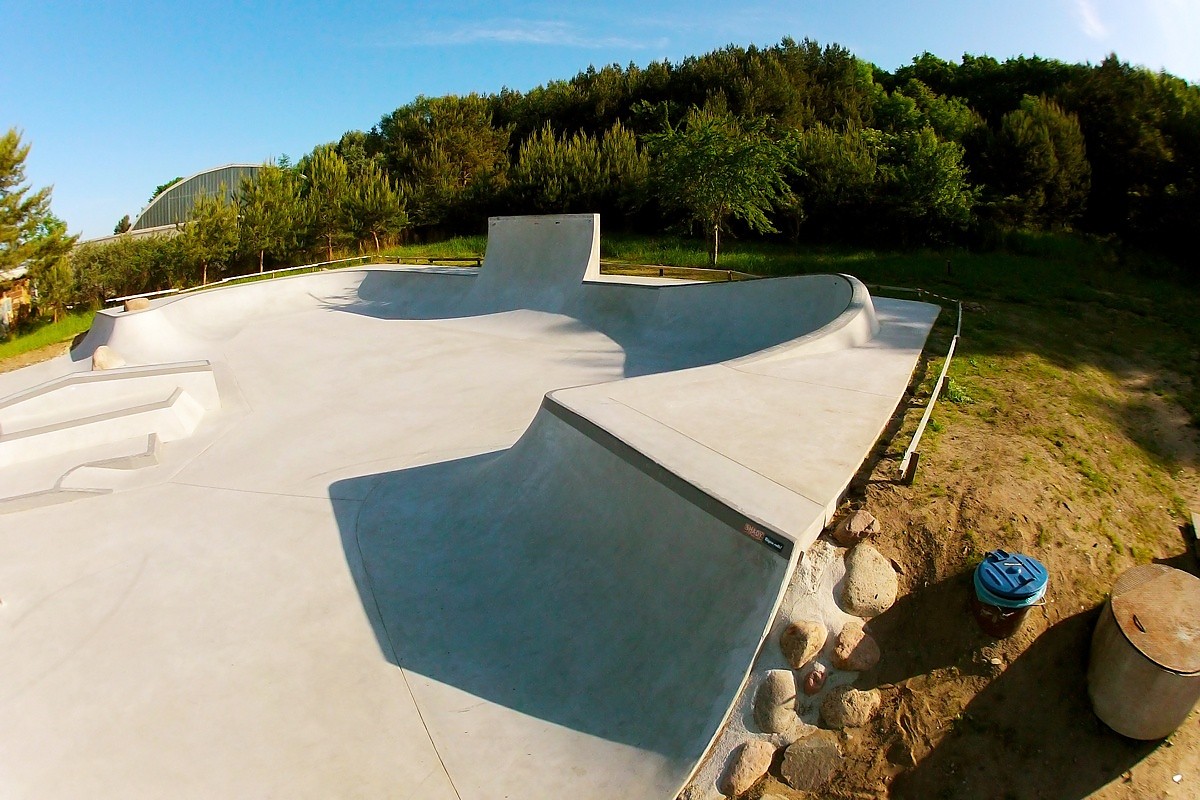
1011	575
1158	609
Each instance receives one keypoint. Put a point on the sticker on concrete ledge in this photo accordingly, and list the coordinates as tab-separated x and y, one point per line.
759	535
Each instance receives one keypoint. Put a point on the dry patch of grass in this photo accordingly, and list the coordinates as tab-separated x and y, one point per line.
1055	438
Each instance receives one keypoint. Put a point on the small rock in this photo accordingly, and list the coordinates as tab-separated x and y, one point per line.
106	358
810	763
802	641
749	763
870	585
815	679
847	707
854	649
775	702
137	304
856	527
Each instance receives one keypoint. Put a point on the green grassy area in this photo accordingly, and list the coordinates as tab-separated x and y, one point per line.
460	247
1072	301
43	334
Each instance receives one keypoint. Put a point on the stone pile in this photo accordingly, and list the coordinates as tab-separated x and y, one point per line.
810	756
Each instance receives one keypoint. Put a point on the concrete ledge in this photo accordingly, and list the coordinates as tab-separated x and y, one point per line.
176	417
50	497
87	394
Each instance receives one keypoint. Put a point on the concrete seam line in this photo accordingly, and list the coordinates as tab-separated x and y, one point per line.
254	491
746	371
392	644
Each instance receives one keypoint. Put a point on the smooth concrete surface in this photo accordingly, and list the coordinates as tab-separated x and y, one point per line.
514	533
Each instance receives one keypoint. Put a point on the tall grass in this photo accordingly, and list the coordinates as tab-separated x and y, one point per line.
459	247
46	333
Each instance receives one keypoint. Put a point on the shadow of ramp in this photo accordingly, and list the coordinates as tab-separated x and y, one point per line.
556	605
1031	733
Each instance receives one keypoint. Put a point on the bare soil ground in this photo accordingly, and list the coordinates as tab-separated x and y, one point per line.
1059	438
34	356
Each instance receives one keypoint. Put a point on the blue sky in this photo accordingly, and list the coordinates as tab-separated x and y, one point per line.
118	97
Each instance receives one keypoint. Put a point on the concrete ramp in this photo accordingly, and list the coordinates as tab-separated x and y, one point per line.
536	262
569	602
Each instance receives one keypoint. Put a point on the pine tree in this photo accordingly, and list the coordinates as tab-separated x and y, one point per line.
1043	172
30	236
374	206
210	236
51	273
269	213
328	196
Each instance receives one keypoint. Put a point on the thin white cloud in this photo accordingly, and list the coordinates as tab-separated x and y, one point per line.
1093	27
523	32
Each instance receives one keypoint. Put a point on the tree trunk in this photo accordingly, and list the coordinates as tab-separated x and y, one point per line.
376	235
203	273
716	244
261	255
329	242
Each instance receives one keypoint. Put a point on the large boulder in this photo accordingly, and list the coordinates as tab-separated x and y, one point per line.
775	702
854	649
747	765
137	304
870	585
106	358
802	641
809	763
847	707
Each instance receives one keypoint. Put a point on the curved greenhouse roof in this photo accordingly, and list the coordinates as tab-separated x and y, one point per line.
174	205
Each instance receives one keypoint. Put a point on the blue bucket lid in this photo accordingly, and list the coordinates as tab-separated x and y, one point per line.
1011	576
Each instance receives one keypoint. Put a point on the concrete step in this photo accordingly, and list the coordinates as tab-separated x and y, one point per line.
173	417
82	395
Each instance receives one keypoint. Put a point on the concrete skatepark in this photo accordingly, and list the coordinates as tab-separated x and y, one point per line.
417	532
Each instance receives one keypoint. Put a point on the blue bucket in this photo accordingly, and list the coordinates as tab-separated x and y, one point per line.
1010	580
1007	585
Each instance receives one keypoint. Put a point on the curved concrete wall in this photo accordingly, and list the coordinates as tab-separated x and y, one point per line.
668	326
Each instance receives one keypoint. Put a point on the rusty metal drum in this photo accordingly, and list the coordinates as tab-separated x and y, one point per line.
1144	670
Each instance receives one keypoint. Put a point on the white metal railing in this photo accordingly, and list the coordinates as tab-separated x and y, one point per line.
253	275
114	300
249	275
908	464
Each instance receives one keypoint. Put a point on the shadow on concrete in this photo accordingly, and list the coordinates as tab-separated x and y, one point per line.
688	325
555	580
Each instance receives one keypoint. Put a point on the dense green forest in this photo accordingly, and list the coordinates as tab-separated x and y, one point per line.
795	142
936	151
